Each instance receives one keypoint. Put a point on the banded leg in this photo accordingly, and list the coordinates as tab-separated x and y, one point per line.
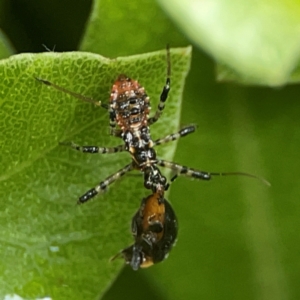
190	172
115	132
183	170
112	124
172	137
164	93
94	149
101	187
75	95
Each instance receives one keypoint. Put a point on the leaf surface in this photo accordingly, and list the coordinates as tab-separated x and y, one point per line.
259	41
58	248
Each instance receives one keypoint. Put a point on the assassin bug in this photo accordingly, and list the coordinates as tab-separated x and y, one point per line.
129	108
154	226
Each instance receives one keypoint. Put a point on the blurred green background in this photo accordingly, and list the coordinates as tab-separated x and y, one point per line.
238	238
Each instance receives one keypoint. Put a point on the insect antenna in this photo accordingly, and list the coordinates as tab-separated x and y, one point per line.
76	95
266	182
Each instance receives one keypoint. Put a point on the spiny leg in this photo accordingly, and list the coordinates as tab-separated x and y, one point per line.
101	187
172	137
94	149
164	93
76	95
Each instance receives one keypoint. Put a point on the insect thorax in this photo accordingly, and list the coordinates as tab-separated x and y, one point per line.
130	103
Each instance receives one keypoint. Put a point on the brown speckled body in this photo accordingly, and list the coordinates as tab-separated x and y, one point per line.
130	103
129	109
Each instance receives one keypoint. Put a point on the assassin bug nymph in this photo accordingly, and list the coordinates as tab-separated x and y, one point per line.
129	108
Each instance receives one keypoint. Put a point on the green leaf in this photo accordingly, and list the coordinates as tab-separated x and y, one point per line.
120	27
49	245
5	47
258	41
225	73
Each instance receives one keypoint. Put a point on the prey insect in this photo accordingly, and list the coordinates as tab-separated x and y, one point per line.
129	109
154	228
